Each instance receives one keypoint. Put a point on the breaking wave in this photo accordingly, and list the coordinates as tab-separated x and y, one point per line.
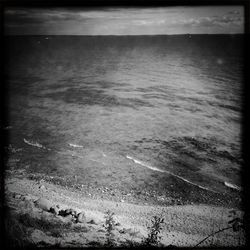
74	154
165	171
75	145
233	186
34	144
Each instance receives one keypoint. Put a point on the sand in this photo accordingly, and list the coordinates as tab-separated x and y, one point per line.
185	225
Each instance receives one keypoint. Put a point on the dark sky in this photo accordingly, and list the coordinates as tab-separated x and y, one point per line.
125	21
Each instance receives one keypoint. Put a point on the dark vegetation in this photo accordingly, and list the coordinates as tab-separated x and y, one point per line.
109	226
16	234
235	223
20	226
154	230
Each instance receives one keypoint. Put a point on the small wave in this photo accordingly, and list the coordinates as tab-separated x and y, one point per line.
75	145
34	144
233	186
145	165
165	171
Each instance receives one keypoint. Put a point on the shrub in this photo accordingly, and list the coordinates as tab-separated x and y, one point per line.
236	223
110	226
16	233
153	238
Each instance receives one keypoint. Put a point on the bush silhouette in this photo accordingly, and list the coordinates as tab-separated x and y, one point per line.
110	226
153	238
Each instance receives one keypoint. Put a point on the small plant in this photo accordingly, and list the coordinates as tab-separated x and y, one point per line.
153	238
110	226
236	223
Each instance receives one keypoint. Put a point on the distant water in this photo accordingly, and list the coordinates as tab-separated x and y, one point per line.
173	102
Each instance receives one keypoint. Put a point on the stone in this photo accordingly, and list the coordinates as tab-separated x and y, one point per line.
122	231
72	211
42	187
67	211
81	218
62	213
93	221
27	198
68	218
43	204
23	197
54	210
17	196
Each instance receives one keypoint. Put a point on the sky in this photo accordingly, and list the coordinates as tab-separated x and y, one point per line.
125	21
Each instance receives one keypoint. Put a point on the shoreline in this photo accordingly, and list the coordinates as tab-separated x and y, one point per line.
135	196
186	225
117	177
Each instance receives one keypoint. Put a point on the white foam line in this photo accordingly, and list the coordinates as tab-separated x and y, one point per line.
165	171
145	165
75	145
34	144
233	186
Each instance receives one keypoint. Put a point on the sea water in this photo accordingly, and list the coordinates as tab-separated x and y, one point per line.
171	102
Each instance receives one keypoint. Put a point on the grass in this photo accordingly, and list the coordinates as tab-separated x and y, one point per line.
19	227
16	234
152	240
55	228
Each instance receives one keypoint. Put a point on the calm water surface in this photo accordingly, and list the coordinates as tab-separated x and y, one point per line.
171	102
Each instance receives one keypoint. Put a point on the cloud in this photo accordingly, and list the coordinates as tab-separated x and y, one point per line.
37	16
211	21
123	20
149	22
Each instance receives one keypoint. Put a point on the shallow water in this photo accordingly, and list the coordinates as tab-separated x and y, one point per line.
172	102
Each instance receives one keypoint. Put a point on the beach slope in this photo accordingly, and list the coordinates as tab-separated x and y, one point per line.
39	209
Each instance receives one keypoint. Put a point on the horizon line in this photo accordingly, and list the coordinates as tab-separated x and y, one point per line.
184	34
